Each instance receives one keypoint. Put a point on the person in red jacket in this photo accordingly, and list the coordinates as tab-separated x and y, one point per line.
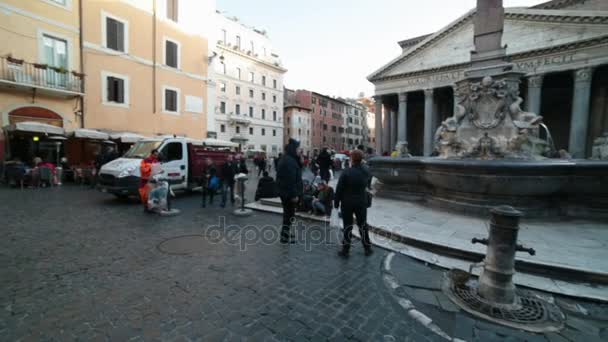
146	173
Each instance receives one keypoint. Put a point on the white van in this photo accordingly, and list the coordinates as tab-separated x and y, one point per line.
182	162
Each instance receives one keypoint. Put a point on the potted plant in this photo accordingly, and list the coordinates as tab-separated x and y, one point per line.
78	74
59	70
14	60
40	66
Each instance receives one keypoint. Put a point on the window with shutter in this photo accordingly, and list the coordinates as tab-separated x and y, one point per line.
172	10
115	34
171	100
171	54
120	90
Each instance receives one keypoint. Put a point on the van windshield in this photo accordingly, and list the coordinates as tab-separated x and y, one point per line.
142	149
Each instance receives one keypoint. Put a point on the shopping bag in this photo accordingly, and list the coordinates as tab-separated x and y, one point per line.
335	222
331	174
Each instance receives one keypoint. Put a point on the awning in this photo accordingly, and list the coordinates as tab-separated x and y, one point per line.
219	143
90	134
35	127
127	137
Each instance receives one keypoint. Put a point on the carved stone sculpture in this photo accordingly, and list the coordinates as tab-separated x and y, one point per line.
600	147
489	123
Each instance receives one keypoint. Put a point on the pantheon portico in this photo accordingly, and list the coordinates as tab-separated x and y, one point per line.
561	45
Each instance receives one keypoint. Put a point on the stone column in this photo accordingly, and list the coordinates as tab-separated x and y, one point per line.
428	122
402	119
378	122
579	124
394	127
535	84
386	130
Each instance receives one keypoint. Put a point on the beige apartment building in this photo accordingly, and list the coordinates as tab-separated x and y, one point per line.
146	67
68	67
41	84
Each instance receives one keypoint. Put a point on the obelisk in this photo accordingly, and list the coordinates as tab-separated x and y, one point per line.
489	54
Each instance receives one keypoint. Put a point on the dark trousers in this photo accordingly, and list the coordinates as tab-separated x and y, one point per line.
360	213
289	213
225	187
208	193
324	173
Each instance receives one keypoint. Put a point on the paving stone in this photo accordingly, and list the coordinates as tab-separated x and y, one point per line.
422	295
445	302
583	326
86	267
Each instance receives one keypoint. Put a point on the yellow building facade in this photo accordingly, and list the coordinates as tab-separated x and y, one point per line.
145	73
40	69
136	66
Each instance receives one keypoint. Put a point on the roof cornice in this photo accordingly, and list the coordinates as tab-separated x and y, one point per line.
521	55
557	4
253	58
458	23
523	14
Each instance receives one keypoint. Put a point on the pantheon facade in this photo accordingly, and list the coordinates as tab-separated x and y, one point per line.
560	45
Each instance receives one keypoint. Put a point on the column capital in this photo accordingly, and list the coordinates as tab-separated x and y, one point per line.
402	97
429	92
536	81
583	75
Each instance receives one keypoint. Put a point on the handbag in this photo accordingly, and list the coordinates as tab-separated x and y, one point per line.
368	198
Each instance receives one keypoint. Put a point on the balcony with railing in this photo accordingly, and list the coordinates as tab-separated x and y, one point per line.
54	81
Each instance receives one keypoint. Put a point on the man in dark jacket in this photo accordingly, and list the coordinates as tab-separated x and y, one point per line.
351	193
324	162
207	188
289	181
229	170
267	187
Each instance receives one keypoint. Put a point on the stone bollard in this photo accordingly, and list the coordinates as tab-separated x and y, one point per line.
496	280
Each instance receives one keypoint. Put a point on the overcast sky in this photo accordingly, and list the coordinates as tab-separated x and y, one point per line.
331	46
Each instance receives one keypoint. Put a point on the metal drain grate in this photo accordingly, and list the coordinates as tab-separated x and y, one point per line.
530	313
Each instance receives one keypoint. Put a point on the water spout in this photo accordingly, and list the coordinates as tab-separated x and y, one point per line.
549	138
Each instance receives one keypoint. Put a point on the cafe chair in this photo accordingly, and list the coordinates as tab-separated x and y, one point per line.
46	176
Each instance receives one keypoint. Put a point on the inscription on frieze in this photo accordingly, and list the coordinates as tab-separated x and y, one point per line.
533	64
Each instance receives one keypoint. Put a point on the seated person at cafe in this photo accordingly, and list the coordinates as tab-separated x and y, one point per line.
322	203
267	187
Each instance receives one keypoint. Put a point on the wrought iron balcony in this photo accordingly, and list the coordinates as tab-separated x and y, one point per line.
18	74
238	120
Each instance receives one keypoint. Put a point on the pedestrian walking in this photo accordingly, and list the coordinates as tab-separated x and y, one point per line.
229	170
210	183
242	168
289	181
324	162
276	162
261	165
353	197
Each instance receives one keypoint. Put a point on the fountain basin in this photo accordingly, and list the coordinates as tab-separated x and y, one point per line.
537	188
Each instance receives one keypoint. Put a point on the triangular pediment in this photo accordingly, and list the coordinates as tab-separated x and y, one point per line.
525	30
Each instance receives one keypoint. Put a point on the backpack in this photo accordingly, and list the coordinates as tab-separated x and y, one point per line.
214	183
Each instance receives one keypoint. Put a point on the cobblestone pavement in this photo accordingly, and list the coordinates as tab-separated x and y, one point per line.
76	264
